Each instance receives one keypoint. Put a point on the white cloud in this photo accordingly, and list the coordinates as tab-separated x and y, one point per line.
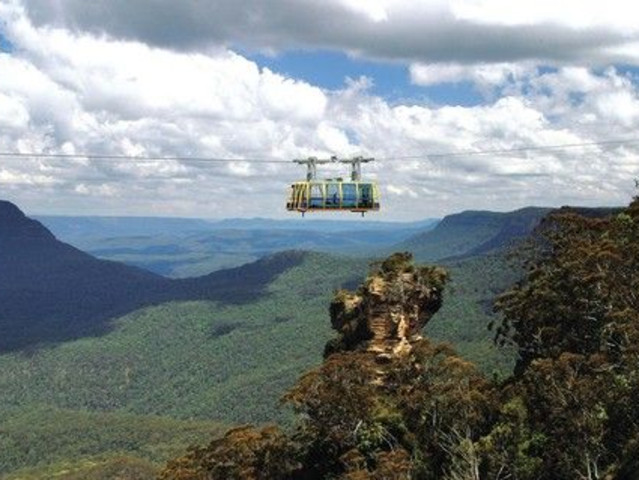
375	10
485	76
14	114
240	169
96	190
576	14
401	191
619	106
434	31
73	92
288	99
18	179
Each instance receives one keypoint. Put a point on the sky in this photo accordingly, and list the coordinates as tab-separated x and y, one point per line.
422	86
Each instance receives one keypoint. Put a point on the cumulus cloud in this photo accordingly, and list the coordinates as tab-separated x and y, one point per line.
435	31
64	89
486	77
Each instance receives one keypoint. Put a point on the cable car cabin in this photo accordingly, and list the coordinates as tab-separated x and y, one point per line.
352	195
333	195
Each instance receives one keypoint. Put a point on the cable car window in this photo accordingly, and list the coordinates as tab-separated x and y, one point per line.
349	195
317	196
365	195
332	195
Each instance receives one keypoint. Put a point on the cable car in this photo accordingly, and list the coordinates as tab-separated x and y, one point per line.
333	194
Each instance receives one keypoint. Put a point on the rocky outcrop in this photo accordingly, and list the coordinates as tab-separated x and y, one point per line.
386	314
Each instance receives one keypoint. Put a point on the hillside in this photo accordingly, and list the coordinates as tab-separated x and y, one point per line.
472	233
223	361
223	350
286	293
62	443
51	291
203	360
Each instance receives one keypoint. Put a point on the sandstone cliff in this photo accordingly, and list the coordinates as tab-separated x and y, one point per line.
386	314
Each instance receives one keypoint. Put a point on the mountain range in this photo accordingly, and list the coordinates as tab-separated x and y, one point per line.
181	248
90	345
51	291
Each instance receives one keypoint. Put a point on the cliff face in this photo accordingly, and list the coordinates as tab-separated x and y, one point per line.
386	314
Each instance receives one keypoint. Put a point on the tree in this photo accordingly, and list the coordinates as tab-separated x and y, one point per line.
575	322
242	454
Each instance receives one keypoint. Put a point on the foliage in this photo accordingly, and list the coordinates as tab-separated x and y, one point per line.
169	361
433	403
243	454
123	467
581	294
567	412
45	435
575	322
196	359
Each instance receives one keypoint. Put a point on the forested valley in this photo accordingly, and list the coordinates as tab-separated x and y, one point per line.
568	411
525	367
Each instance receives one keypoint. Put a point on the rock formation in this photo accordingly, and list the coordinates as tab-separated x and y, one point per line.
386	314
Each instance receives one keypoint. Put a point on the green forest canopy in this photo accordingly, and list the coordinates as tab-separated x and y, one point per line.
567	412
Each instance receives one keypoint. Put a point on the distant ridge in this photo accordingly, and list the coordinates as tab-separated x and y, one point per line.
181	248
79	226
51	291
88	226
473	232
478	232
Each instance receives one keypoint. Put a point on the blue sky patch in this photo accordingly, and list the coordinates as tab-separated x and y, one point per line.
630	70
5	45
391	81
460	94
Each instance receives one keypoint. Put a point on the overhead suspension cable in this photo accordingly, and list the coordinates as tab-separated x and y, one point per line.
514	150
92	156
422	156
